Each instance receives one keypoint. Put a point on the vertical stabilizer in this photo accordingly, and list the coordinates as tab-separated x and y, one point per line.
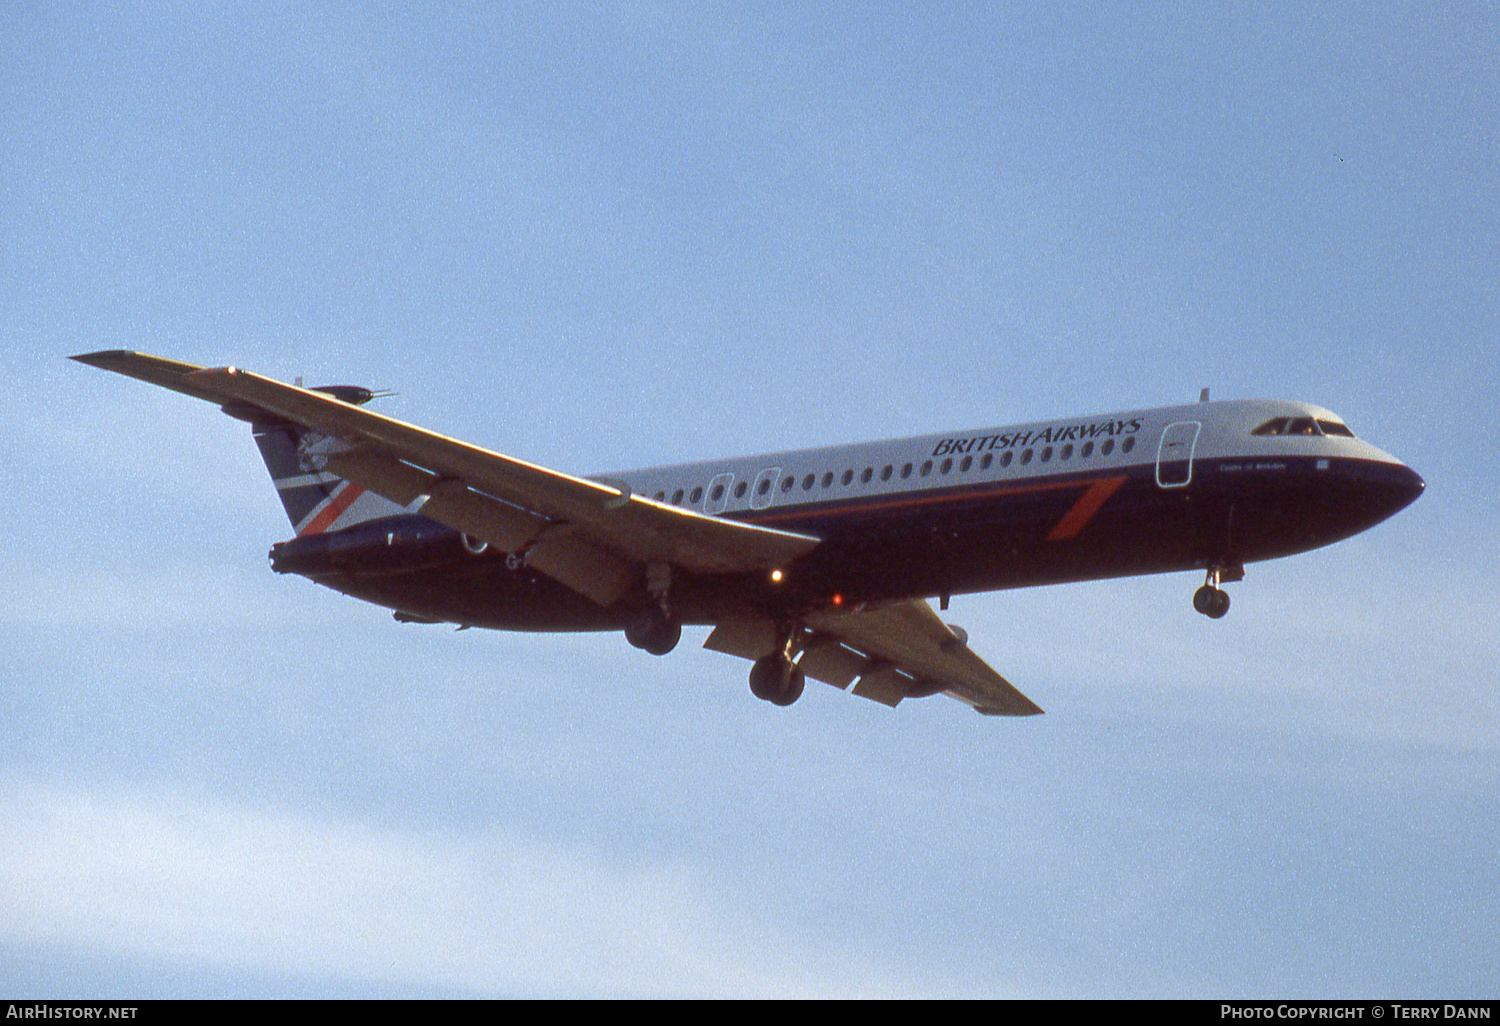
315	500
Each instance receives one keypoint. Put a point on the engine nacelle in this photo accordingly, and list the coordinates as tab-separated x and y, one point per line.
398	544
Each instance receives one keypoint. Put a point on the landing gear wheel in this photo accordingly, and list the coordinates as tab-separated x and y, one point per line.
1211	602
654	632
777	680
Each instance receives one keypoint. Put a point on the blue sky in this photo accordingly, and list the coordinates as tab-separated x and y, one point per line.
598	237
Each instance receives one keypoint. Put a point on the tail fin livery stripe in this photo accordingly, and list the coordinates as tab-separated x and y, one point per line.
301	493
305	481
342	498
301	503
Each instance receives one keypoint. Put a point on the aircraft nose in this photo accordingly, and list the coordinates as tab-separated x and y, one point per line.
1408	485
1392	488
1374	491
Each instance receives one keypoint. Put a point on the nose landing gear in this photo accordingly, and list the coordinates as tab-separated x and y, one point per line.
1209	600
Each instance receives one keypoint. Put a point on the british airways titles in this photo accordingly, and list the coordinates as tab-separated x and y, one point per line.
1046	436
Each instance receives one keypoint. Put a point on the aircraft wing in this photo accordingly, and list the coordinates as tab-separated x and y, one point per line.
593	537
896	651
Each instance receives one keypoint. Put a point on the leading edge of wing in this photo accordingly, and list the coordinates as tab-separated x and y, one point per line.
638	528
156	370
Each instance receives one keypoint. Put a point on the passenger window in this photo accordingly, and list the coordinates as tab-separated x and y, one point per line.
697	494
966	464
1087	451
1067	452
717	493
764	486
786	484
1108	447
885	474
926	468
807	482
865	477
1025	457
828	479
1006	457
1128	444
739	489
947	466
677	497
660	496
848	476
986	460
905	471
1046	453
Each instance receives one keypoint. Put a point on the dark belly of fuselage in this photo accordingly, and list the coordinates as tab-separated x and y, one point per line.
965	537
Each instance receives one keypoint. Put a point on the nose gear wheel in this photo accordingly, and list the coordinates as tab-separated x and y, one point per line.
1209	599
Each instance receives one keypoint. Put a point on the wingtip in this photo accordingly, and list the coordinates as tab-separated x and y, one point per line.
101	357
1029	709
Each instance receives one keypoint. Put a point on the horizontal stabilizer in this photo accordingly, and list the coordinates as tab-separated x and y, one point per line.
157	370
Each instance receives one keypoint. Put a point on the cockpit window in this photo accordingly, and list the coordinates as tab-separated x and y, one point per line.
1303	426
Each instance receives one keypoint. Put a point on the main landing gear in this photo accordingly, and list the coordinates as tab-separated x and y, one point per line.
1209	600
655	629
775	678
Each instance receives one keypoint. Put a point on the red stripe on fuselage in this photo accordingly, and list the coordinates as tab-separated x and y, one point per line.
1084	509
337	504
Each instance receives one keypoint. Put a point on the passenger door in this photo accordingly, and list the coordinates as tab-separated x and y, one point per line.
718	494
1174	456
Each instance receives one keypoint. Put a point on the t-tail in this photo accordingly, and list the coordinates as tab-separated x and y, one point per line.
316	501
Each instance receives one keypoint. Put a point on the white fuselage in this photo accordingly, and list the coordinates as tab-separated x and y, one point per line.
1015	453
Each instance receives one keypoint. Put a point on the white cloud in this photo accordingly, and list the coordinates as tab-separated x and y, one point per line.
489	913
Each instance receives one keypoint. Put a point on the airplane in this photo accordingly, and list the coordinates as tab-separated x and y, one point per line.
815	563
